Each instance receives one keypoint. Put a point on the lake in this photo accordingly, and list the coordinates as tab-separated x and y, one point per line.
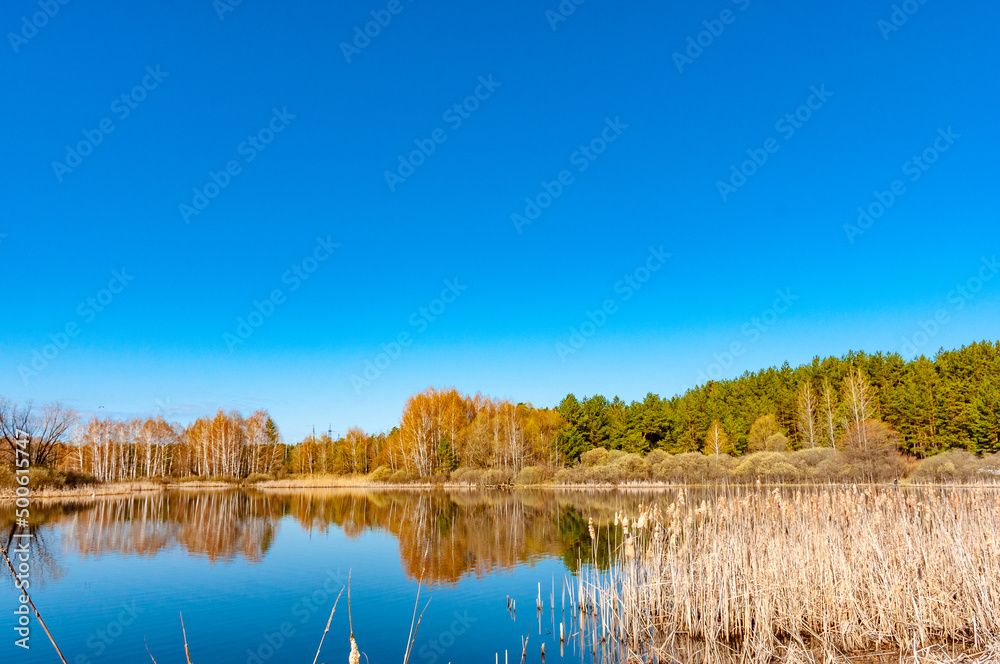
256	572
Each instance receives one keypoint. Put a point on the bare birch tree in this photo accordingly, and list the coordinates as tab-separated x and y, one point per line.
829	405
807	411
857	397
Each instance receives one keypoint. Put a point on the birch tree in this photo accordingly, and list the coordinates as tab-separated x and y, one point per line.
808	403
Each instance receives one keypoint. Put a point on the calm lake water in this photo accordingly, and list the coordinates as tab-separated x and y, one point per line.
256	573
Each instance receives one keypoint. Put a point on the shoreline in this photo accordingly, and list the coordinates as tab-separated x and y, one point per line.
298	484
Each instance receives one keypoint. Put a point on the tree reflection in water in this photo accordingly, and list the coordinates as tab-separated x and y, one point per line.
443	534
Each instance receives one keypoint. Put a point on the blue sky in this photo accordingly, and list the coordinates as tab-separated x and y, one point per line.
615	122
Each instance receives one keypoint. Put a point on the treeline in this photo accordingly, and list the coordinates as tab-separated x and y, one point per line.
860	404
439	431
928	405
226	445
109	450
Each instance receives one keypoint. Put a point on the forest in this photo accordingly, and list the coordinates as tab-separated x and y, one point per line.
869	403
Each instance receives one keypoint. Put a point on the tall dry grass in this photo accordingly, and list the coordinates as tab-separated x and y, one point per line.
756	574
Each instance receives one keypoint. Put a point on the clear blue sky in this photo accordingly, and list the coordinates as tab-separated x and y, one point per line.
207	85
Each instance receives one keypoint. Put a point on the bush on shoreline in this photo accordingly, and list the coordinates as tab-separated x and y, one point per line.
45	478
815	465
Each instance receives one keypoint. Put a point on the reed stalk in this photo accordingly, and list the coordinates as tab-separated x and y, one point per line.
327	629
17	584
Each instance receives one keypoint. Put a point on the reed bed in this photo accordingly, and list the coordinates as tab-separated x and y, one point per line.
807	574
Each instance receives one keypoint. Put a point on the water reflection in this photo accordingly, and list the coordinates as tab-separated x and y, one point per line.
442	535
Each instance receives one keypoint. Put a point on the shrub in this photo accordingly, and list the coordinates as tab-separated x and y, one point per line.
663	470
873	466
817	463
533	475
400	477
948	466
990	465
497	477
46	478
380	474
655	457
575	475
605	474
768	465
7	480
721	466
594	457
466	475
691	467
776	443
614	455
631	467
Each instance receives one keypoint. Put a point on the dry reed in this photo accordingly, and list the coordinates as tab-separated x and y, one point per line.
23	589
762	574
